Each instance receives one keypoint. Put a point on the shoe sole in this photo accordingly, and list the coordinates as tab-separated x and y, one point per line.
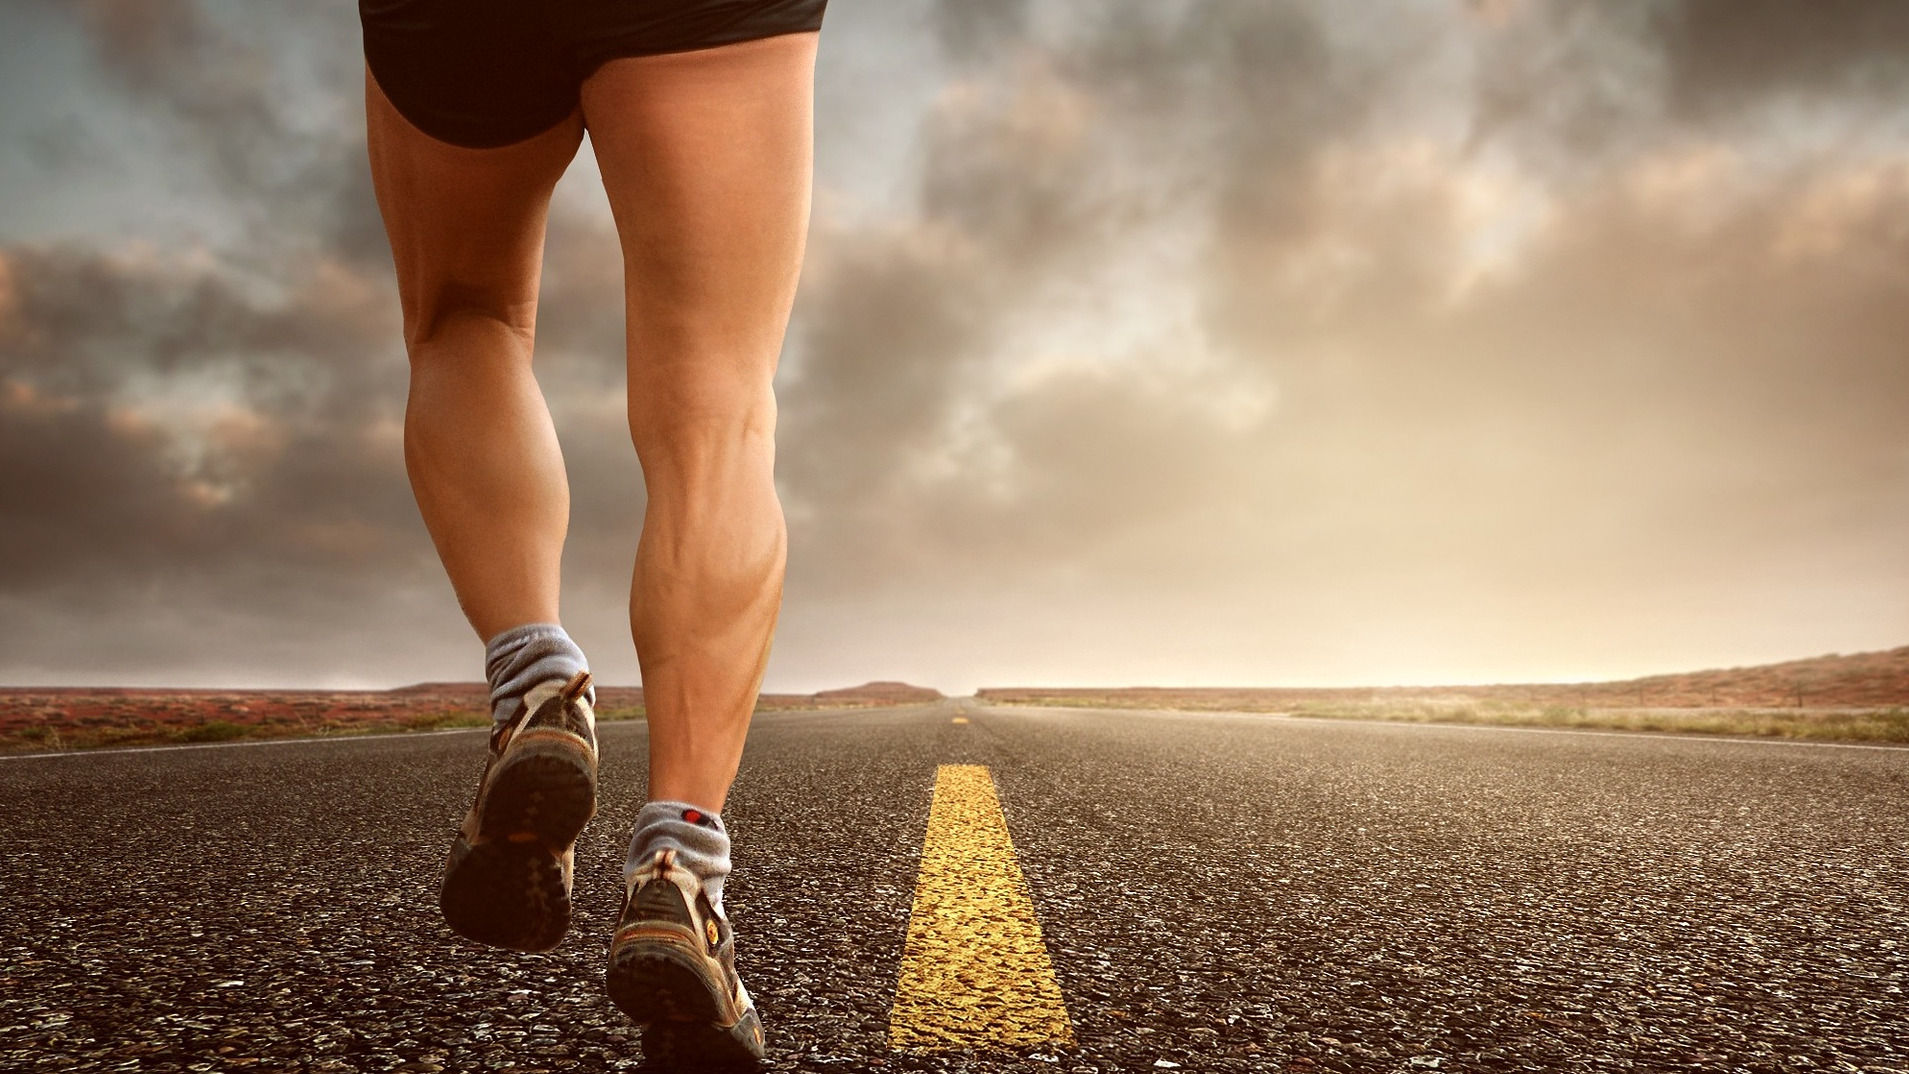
662	984
698	1046
507	889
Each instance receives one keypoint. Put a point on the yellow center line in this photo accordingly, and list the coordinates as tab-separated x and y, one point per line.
961	719
974	971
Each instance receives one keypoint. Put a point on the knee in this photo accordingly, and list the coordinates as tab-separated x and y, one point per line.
694	422
431	314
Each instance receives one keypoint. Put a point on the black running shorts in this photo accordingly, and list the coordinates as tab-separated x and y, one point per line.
486	73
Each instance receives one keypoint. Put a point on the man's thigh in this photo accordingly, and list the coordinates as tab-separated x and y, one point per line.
707	160
466	224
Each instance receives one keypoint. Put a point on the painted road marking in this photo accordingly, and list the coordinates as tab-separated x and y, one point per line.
960	719
974	970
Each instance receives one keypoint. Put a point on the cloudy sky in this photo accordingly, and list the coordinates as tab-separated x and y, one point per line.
1216	341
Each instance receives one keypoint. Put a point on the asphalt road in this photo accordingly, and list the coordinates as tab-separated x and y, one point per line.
1232	893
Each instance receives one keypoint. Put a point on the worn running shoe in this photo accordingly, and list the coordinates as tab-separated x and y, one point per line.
673	971
507	883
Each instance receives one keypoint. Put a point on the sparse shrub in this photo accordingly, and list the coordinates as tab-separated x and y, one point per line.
442	721
212	731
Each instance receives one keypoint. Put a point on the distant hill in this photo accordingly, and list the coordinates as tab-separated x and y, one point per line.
1858	680
884	693
880	693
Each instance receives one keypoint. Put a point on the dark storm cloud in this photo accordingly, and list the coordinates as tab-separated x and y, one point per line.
84	322
1576	86
71	474
979	30
1583	85
277	437
94	505
196	477
175	58
1724	53
1035	172
221	83
580	307
887	337
199	426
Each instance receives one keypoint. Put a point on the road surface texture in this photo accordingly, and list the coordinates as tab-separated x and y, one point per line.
1221	892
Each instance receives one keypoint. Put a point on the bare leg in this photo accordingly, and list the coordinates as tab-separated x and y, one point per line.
467	234
707	157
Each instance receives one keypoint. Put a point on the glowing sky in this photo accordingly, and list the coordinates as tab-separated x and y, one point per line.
1138	342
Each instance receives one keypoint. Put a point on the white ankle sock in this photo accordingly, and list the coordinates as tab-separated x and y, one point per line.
699	836
522	657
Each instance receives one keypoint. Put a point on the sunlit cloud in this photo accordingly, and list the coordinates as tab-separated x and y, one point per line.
1240	342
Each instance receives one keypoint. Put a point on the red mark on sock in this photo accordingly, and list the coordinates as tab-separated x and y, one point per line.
692	816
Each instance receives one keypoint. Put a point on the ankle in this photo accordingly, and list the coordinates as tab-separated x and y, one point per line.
523	656
698	836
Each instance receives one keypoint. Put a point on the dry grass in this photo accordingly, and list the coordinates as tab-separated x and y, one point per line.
1872	725
1830	725
130	725
49	736
34	719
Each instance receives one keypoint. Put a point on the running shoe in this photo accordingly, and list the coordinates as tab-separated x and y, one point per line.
507	883
673	971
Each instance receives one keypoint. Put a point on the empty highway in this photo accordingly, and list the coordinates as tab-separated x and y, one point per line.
1100	891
